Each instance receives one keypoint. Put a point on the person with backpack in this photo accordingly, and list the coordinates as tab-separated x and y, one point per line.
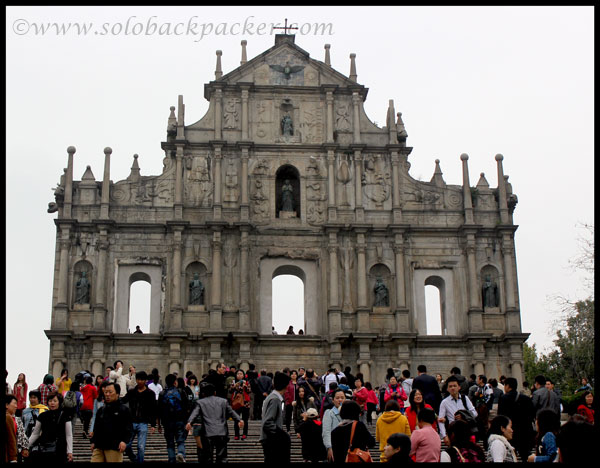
89	393
240	403
311	434
72	401
547	424
46	388
173	414
463	383
395	392
327	401
451	404
30	415
461	448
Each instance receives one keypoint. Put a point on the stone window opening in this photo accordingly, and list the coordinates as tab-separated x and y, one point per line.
435	306
139	302
288	301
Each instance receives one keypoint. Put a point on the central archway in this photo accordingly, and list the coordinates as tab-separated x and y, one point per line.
306	271
288	299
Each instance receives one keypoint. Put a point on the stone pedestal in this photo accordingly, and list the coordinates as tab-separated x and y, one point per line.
287	214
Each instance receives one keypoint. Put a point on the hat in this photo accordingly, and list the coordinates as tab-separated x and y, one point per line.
312	413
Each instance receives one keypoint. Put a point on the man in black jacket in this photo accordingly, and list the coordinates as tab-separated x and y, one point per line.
217	379
142	404
519	409
172	407
463	383
113	428
428	387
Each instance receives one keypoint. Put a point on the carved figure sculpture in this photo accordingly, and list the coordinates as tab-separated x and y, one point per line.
196	291
287	196
287	126
490	292
82	288
382	297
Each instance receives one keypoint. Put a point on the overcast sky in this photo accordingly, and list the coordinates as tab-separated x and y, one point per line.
475	80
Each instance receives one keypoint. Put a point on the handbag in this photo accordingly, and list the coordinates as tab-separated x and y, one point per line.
237	401
48	447
357	455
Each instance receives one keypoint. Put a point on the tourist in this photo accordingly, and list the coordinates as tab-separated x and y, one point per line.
311	433
585	386
131	380
192	383
461	448
22	440
406	381
10	445
20	392
210	415
273	331
311	385
349	377
484	394
138	330
142	405
264	386
173	412
331	419
72	401
46	388
429	387
526	390
53	434
519	409
31	414
390	422
302	403
547	424
417	404
451	404
499	437
112	426
576	442
301	332
290	331
440	381
462	382
340	437
372	402
64	382
426	442
274	440
8	388
289	397
241	387
395	392
397	450
543	397
98	403
360	395
586	408
498	392
98	382
116	376
188	393
89	393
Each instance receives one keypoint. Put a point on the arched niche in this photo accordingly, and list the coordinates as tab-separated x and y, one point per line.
82	266
443	280
307	271
492	272
192	268
287	172
379	270
126	276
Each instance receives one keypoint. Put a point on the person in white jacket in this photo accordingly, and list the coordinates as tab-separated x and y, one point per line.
331	419
117	376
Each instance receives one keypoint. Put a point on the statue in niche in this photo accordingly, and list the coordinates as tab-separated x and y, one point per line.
231	114
347	262
196	291
231	182
490	292
382	297
287	196
287	126
82	290
230	261
261	207
342	119
344	175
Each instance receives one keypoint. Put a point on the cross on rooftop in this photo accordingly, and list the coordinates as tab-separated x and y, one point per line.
285	28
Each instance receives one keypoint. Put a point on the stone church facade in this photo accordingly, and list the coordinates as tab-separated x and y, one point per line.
285	174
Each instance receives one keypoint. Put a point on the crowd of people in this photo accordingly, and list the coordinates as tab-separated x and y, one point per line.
474	420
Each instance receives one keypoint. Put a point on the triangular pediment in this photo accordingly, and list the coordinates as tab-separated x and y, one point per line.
286	64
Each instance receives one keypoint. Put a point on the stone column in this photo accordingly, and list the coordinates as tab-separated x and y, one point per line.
333	270
479	368
399	257
245	117
396	202
363	306
217	179
472	269
356	101
364	359
467	190
359	210
100	306
329	100
178	205
244	206
218	113
105	184
244	280
180	118
331	203
174	357
502	191
176	323
507	252
68	197
63	269
216	307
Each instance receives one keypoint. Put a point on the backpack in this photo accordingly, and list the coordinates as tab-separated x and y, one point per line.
31	425
173	401
70	400
467	455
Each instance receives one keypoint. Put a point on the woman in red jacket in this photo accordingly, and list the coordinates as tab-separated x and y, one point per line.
360	395
416	404
20	391
395	392
585	409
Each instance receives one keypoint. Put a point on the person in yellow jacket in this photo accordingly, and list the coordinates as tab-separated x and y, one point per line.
390	422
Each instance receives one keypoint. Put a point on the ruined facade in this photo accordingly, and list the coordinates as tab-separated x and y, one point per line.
285	174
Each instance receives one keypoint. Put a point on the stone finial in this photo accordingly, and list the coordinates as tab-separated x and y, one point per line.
437	178
400	127
88	175
71	150
391	125
483	183
244	56
172	122
134	175
180	117
327	56
219	70
107	150
353	76
499	157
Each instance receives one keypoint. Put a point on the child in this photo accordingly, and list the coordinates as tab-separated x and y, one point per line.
547	424
310	431
425	443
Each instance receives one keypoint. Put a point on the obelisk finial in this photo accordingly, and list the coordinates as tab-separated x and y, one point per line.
244	56
327	56
219	70
353	76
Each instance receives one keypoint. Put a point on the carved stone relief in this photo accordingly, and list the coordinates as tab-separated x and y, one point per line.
231	182
311	125
376	180
342	117
263	119
315	207
344	174
231	115
198	188
260	201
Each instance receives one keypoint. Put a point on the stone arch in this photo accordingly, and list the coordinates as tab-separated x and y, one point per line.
200	268
307	271
291	173
126	276
443	279
380	270
82	266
